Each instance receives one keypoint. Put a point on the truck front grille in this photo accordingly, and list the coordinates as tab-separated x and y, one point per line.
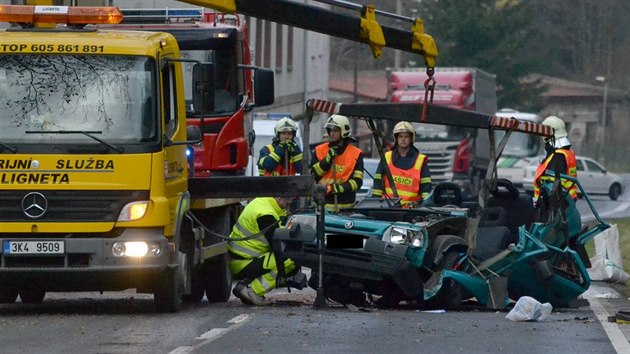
68	206
440	157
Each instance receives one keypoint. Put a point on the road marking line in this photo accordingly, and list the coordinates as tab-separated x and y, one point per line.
181	350
623	206
617	339
212	334
239	318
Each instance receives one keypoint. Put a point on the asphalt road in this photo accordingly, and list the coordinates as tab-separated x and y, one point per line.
124	322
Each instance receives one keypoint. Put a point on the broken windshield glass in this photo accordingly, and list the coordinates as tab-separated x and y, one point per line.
109	94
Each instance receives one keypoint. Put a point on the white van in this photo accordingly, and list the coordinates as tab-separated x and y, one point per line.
520	150
264	129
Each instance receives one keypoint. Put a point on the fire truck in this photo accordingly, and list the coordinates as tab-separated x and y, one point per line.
96	191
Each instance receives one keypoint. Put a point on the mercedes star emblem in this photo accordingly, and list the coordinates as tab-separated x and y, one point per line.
34	205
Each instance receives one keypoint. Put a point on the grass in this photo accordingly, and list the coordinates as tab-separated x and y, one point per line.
624	244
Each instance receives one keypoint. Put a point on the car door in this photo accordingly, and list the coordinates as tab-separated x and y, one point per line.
597	176
586	179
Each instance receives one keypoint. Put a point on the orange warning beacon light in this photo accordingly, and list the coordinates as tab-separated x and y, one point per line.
71	15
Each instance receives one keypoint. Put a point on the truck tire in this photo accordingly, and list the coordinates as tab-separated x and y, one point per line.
219	281
168	295
8	295
197	287
32	296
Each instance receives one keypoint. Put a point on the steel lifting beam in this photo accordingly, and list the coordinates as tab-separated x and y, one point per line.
230	187
363	28
412	112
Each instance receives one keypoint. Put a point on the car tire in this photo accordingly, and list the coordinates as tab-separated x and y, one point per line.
615	191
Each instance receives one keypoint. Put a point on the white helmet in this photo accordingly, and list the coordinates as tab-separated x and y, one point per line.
405	127
285	124
341	122
559	129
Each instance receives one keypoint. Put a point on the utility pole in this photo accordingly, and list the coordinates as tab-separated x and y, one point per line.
397	53
602	123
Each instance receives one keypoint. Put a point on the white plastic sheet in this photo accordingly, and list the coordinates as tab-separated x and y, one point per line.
529	309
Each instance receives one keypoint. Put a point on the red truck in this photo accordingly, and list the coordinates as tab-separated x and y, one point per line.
455	153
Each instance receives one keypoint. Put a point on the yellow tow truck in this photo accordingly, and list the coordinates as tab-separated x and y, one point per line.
95	190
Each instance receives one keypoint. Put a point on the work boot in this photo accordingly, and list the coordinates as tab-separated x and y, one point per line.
248	296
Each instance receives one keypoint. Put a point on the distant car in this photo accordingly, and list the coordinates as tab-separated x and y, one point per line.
370	165
592	176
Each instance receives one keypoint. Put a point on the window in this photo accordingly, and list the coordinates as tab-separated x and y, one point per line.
579	165
593	167
279	47
169	99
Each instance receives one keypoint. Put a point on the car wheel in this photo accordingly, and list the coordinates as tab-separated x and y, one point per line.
451	294
615	191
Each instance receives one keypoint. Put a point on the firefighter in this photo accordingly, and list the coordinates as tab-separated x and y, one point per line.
409	169
252	261
338	164
283	156
560	158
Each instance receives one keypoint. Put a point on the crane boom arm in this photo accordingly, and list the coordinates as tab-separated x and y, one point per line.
363	28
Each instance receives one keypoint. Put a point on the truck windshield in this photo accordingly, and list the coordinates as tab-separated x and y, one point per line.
225	87
436	132
108	94
519	144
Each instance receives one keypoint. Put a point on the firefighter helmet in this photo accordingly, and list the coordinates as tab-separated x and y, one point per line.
285	124
405	127
341	122
559	129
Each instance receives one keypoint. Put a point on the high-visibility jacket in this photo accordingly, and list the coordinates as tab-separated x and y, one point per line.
568	185
269	152
247	225
407	181
279	170
341	171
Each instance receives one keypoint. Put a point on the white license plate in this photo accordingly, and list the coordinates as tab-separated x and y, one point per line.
33	247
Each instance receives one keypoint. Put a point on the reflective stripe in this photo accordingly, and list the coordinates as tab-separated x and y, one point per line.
246	233
236	247
263	281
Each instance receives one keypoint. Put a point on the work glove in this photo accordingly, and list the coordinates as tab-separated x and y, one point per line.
288	145
332	152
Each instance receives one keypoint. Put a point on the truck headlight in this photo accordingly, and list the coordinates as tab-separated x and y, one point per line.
136	249
405	236
133	211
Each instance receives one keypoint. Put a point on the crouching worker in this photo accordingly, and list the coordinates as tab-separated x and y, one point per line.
252	260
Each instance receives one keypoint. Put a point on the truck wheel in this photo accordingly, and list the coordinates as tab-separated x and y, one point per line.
197	287
168	295
219	281
8	295
32	296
